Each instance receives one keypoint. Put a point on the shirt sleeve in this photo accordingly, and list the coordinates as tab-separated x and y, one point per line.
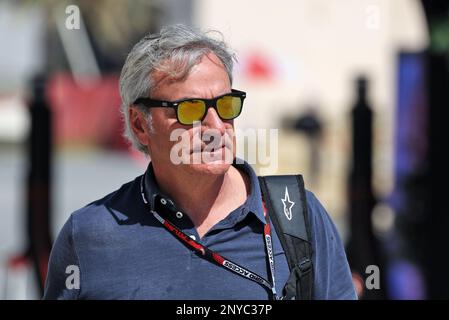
63	276
332	276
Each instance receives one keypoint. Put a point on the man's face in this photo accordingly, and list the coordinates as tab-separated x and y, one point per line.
207	80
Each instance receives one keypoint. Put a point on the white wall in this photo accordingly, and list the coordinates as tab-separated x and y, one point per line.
316	46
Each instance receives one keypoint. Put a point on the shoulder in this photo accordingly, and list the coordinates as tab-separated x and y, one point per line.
91	226
115	207
319	219
325	237
102	220
332	274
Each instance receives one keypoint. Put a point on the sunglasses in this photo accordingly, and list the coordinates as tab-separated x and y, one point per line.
228	106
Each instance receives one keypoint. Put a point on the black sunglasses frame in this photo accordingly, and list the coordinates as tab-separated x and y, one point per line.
210	103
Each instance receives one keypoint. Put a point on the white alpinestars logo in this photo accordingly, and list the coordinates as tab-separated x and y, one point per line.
287	205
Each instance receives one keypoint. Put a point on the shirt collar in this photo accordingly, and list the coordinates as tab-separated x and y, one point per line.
254	201
252	204
151	187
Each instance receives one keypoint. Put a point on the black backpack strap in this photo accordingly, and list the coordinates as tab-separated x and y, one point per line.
286	203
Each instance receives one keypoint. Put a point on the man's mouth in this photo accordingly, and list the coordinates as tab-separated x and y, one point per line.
209	149
215	149
212	147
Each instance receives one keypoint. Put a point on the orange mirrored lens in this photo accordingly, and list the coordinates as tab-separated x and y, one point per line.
229	107
191	111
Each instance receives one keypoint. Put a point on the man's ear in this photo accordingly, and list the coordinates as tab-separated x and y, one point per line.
139	125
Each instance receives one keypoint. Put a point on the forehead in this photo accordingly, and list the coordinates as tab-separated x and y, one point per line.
206	79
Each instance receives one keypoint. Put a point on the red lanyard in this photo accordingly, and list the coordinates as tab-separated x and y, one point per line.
218	259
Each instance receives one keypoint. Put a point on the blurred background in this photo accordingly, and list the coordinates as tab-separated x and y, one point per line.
358	90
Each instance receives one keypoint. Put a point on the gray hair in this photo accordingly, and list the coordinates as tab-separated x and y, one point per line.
179	45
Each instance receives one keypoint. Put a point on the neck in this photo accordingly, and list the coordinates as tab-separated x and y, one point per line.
206	198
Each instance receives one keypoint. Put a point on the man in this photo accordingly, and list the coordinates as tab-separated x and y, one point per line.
156	237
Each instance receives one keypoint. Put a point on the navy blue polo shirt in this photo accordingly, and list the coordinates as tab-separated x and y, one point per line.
122	252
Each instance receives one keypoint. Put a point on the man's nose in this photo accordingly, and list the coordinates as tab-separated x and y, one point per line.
213	121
